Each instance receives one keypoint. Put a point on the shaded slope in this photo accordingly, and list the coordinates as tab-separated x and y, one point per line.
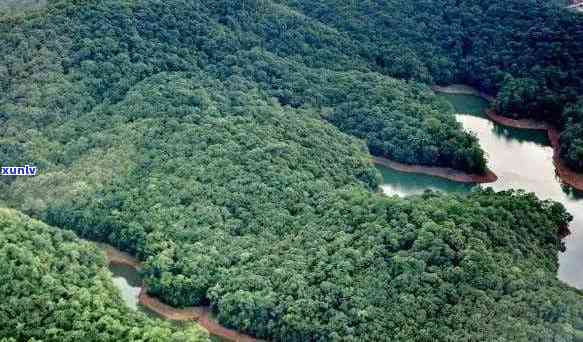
191	135
107	48
528	52
57	288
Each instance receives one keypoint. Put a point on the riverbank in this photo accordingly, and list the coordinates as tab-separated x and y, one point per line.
566	175
442	172
115	256
462	89
201	314
514	123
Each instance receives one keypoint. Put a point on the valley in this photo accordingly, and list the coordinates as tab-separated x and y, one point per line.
230	152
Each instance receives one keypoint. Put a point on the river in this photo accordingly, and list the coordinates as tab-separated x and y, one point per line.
522	159
129	282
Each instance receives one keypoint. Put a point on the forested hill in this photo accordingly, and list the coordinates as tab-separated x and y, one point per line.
15	6
56	288
106	48
217	141
528	52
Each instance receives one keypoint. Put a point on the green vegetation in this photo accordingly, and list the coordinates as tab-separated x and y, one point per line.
429	268
107	49
216	141
571	138
526	51
17	6
55	287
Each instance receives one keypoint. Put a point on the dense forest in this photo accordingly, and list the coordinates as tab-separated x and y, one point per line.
17	6
527	52
226	144
54	287
113	47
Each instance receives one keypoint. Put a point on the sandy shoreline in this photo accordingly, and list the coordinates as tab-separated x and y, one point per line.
201	314
442	172
566	175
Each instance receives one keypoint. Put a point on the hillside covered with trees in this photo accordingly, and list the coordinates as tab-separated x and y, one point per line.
529	53
226	144
108	48
54	287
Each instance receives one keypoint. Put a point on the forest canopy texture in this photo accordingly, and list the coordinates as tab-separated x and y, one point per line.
227	144
54	287
527	52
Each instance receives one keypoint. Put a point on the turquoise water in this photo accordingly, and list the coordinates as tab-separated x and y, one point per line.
522	159
403	184
128	281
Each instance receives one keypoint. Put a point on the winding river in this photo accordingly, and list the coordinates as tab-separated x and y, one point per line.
127	278
522	159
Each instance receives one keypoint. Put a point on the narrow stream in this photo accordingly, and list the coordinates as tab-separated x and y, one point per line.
522	159
129	282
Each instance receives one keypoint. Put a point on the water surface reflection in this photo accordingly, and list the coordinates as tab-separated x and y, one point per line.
522	159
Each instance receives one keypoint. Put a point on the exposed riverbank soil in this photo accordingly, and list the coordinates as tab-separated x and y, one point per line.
164	310
566	175
201	314
115	256
522	123
442	172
